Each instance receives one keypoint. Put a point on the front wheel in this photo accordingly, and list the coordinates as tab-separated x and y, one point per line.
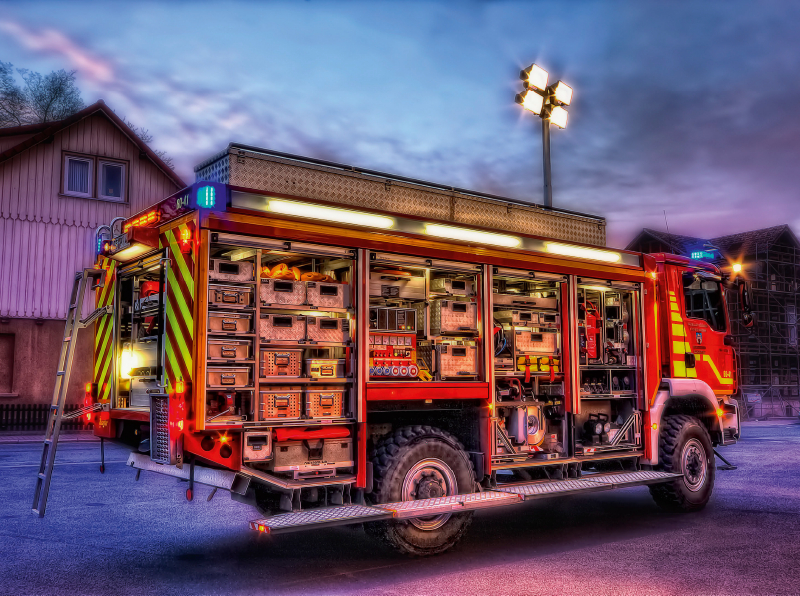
421	462
684	447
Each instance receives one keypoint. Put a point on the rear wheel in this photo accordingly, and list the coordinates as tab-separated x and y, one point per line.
685	448
421	462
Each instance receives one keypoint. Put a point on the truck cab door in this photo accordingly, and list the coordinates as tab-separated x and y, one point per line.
705	325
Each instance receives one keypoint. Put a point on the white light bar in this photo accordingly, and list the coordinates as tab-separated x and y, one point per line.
330	214
468	235
581	252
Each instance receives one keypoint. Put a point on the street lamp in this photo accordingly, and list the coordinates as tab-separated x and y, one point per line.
548	103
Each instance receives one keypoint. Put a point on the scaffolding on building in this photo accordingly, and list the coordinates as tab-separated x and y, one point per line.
768	353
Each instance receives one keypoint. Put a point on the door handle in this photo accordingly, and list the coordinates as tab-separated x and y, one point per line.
690	360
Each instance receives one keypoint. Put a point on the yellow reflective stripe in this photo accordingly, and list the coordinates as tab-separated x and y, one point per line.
181	348
680	368
671	293
678	330
676	317
720	378
674	307
106	339
678	347
691	373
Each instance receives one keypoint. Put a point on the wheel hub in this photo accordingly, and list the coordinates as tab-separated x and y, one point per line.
429	479
694	465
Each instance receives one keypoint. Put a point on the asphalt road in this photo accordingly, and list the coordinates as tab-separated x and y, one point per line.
106	534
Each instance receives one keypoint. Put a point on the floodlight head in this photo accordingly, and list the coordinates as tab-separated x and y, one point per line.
534	76
559	116
563	93
530	100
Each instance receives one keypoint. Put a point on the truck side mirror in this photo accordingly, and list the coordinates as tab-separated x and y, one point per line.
745	303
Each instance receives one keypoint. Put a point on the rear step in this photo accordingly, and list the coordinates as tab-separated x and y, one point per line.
510	494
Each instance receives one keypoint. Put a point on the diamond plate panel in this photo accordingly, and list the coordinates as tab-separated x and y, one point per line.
271	174
469	502
540	489
313	517
632	478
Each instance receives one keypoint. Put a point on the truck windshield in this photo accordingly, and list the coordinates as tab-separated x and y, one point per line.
703	298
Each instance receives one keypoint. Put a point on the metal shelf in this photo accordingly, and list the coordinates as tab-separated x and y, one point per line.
303	344
292	380
306	307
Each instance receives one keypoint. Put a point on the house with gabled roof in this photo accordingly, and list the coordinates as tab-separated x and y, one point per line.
59	181
769	354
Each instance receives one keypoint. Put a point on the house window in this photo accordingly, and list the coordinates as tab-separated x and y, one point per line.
92	177
112	181
78	176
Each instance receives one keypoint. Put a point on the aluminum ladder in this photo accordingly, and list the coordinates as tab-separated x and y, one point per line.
73	325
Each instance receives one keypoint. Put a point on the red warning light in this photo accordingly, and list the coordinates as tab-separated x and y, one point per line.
185	239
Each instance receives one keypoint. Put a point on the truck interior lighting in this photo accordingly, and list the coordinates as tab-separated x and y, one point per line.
559	117
563	93
465	234
534	76
581	252
330	214
530	100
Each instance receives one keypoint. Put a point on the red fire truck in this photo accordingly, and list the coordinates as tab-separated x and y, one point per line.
337	365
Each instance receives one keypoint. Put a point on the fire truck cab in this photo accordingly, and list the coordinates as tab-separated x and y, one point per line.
331	364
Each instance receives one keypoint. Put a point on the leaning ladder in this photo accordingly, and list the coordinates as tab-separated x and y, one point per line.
73	325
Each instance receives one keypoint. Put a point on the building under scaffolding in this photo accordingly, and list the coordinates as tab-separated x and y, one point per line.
769	356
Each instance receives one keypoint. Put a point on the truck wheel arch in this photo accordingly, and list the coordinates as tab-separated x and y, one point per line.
683	396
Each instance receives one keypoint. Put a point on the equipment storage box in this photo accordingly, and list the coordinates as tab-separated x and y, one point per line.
519	318
454	287
525	340
327	295
229	349
449	316
277	328
228	376
281	363
324	403
282	291
230	322
392	319
325	368
512	300
312	454
257	446
230	296
391	285
224	270
454	361
280	404
328	330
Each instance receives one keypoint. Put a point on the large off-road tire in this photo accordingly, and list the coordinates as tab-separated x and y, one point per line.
421	462
684	447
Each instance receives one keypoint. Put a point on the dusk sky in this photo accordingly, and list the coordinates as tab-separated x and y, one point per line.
688	107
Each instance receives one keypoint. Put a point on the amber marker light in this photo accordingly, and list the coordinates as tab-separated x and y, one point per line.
655	426
582	252
330	214
467	235
720	412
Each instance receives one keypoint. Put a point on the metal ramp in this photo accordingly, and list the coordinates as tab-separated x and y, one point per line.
505	495
64	371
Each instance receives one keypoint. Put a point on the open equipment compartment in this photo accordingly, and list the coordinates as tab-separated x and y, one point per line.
610	417
530	422
424	322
